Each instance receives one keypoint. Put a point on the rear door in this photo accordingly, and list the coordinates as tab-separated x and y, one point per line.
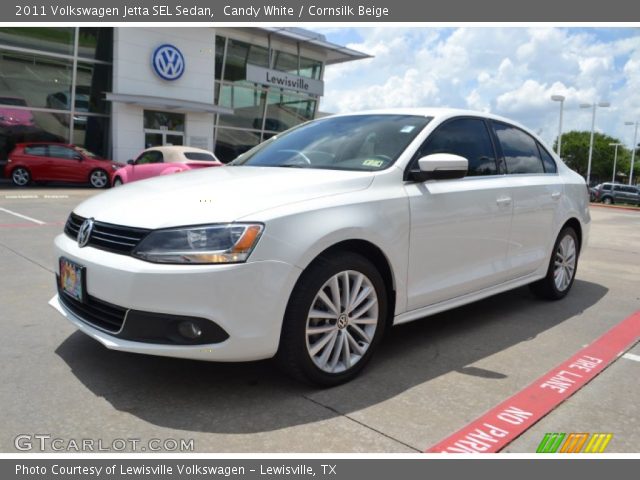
459	228
537	191
36	160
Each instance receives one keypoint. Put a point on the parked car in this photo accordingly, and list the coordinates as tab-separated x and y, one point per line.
13	117
47	162
165	160
310	245
62	101
609	193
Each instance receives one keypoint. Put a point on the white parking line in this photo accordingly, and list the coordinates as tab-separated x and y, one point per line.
39	222
631	356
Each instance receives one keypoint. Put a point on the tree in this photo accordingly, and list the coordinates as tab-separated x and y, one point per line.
575	153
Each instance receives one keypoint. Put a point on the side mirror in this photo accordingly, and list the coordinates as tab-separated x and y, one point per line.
78	157
130	161
440	166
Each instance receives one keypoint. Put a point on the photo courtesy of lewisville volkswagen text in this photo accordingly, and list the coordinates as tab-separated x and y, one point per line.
237	233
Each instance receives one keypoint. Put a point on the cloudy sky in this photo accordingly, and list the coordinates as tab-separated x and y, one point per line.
508	71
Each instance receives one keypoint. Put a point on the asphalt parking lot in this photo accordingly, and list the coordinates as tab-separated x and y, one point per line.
429	379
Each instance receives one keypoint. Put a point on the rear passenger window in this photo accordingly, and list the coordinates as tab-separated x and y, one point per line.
37	150
519	149
58	151
467	137
199	156
547	160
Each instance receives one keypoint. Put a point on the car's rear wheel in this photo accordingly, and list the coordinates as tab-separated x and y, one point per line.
117	182
20	176
99	179
607	200
562	267
334	321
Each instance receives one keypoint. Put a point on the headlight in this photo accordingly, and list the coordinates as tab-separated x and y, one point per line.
114	166
229	243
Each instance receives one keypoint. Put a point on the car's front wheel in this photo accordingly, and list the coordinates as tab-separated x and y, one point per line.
334	321
607	200
20	176
117	182
99	179
562	267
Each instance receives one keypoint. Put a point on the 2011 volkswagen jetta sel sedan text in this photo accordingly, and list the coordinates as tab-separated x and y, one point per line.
312	244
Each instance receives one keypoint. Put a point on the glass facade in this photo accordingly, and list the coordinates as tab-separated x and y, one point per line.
52	85
259	112
53	82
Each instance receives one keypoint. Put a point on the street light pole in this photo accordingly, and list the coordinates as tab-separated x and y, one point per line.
633	151
559	98
593	126
615	160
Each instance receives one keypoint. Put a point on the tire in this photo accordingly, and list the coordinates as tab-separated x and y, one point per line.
562	267
607	201
117	182
346	339
99	179
20	177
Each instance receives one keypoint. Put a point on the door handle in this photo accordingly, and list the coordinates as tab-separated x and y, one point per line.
503	201
556	195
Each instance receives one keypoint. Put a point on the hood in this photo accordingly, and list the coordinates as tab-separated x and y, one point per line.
212	195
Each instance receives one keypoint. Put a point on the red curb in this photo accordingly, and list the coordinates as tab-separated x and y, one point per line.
615	207
501	425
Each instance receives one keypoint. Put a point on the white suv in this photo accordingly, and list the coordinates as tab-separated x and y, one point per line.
310	245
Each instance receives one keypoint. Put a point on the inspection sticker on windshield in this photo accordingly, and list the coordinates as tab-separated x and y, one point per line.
407	129
372	163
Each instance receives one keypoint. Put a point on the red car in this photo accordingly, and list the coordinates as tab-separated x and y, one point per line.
43	162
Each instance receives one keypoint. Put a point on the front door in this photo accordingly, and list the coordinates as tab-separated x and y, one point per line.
459	228
163	128
157	138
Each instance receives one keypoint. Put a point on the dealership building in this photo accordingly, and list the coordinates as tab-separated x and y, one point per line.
118	90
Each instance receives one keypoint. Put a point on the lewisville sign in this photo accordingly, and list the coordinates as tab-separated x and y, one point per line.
274	78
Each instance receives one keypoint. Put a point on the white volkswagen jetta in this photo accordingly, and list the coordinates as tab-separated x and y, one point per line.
310	245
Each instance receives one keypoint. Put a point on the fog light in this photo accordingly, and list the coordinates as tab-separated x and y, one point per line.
189	330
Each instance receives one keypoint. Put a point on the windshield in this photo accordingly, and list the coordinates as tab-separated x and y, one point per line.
354	142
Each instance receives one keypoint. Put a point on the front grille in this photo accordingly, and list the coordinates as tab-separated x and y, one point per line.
97	313
106	236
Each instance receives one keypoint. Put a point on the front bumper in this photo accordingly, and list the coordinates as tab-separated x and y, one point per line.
246	300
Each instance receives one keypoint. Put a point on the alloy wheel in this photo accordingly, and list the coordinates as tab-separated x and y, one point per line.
20	177
565	263
342	321
98	179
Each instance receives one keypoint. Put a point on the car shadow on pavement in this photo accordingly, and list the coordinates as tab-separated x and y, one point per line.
257	397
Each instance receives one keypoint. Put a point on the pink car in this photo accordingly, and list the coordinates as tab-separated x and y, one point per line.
156	161
14	117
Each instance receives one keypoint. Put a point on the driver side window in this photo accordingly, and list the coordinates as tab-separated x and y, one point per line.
467	137
152	156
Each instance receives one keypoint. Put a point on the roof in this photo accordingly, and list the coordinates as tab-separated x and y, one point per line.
335	53
436	112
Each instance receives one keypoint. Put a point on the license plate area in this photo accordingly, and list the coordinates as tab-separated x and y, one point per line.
73	279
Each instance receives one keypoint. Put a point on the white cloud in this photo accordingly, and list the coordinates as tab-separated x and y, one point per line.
509	71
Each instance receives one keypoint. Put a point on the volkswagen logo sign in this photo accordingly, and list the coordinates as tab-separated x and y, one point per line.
168	62
85	232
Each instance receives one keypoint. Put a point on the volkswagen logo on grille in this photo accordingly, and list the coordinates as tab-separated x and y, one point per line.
168	62
84	233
